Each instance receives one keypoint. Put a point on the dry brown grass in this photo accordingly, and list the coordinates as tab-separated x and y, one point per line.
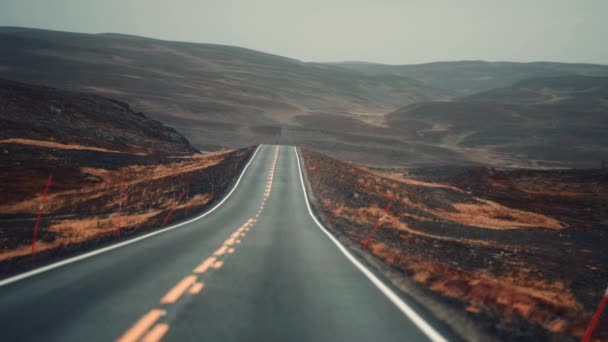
484	214
492	215
410	181
51	144
551	305
80	230
128	176
369	215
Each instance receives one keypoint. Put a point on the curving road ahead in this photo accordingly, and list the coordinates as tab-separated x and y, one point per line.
258	267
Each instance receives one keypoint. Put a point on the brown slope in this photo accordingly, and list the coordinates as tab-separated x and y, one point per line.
519	253
545	122
191	85
96	150
34	114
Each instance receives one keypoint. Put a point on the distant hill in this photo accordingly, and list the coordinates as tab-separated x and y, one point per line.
216	95
468	77
48	117
501	114
573	90
559	121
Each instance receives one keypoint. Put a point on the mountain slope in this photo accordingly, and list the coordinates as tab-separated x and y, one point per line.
560	121
208	92
43	115
108	171
468	77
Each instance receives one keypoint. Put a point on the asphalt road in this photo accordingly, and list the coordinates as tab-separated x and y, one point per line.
257	268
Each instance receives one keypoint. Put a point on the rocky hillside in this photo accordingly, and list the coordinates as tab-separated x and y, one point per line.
469	77
214	94
546	122
518	254
109	173
46	116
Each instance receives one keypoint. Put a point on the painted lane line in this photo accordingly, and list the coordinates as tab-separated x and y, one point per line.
204	266
178	290
220	251
196	288
138	329
127	242
157	333
423	325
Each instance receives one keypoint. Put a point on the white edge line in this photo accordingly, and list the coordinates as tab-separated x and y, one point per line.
124	243
423	325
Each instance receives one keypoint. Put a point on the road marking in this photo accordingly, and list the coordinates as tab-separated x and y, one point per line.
128	242
204	266
196	288
157	333
139	328
423	325
178	290
220	251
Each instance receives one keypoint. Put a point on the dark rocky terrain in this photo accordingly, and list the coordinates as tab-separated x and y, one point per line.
519	252
39	113
115	173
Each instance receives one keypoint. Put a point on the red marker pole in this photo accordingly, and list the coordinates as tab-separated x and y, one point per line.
596	318
49	181
173	207
375	227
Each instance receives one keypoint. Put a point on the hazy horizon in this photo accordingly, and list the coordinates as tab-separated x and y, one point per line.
383	31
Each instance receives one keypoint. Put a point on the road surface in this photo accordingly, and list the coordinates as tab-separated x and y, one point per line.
257	268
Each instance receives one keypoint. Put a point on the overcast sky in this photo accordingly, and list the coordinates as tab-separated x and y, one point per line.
385	31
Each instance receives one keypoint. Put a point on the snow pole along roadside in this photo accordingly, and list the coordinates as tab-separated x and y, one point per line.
49	181
375	227
596	318
174	206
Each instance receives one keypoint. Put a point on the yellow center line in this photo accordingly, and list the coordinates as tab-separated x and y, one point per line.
204	266
220	251
178	290
196	288
141	326
157	333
